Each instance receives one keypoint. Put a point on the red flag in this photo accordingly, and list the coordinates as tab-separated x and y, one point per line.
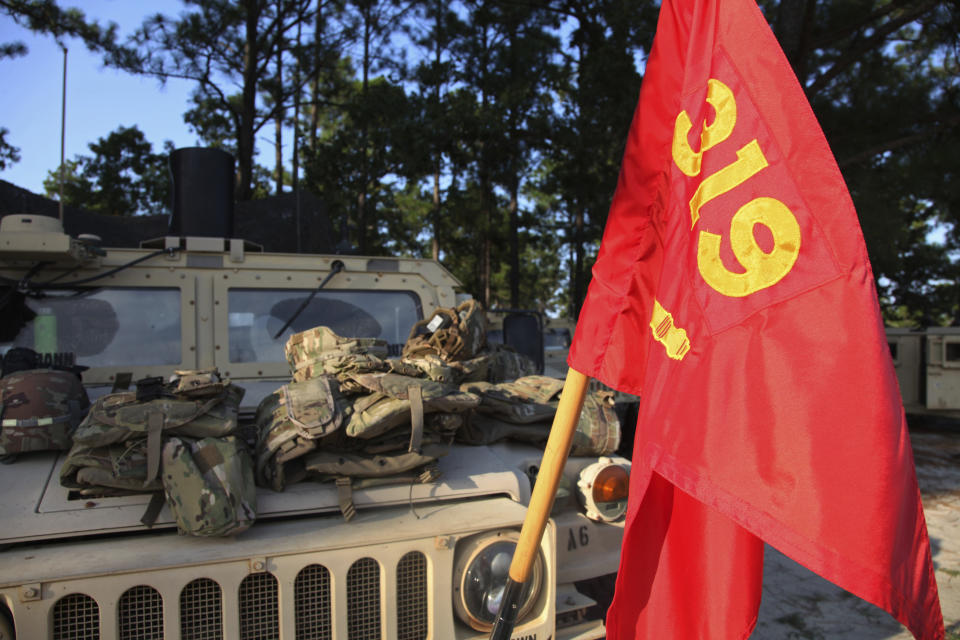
733	293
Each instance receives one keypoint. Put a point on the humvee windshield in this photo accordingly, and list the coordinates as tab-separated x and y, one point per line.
104	327
116	327
256	315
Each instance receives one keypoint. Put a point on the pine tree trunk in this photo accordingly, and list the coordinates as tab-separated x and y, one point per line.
278	120
248	103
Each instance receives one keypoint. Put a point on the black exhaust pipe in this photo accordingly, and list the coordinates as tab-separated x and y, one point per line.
203	180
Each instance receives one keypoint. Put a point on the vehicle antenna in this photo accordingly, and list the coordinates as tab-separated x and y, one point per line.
63	128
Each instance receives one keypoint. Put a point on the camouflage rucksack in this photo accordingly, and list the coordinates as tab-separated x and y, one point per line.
131	425
496	363
116	469
289	421
452	334
320	351
524	409
396	421
209	485
303	416
197	383
122	416
351	471
40	410
394	400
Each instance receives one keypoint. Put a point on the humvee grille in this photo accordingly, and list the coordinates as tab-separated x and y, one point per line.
251	604
258	607
412	597
76	617
140	614
363	600
200	617
312	598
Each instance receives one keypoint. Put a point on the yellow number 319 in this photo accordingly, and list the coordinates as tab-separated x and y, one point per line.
761	269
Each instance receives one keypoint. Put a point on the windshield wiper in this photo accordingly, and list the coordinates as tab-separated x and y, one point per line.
335	268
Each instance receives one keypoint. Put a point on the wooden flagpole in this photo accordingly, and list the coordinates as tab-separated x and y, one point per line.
541	501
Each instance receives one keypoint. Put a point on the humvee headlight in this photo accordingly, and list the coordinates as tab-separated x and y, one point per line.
480	576
603	490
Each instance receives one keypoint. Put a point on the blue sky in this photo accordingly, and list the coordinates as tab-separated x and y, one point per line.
98	99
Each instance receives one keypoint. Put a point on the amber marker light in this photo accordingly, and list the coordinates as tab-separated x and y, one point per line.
603	488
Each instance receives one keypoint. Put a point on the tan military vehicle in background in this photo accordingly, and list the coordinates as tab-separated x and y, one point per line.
927	362
417	561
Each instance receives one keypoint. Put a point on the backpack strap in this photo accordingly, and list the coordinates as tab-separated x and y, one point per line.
415	394
154	445
149	517
345	498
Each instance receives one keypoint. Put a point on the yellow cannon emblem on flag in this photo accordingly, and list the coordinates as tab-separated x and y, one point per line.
673	338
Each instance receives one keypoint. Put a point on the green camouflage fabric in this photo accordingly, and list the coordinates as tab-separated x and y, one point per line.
452	334
438	428
320	351
118	445
429	365
499	363
538	388
388	404
209	485
368	469
598	431
521	401
197	383
398	415
483	430
523	410
508	364
100	471
325	465
304	417
40	410
290	420
117	417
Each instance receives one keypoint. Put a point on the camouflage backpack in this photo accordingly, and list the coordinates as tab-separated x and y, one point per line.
351	471
197	383
120	440
394	413
395	433
395	400
117	469
523	410
289	422
320	351
496	363
209	485
396	422
451	334
40	410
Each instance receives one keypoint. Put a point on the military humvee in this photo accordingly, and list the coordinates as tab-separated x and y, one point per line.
927	362
418	561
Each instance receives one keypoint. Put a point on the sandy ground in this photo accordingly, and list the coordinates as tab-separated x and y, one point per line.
799	604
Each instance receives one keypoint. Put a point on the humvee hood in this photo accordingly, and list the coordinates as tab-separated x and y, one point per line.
37	507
